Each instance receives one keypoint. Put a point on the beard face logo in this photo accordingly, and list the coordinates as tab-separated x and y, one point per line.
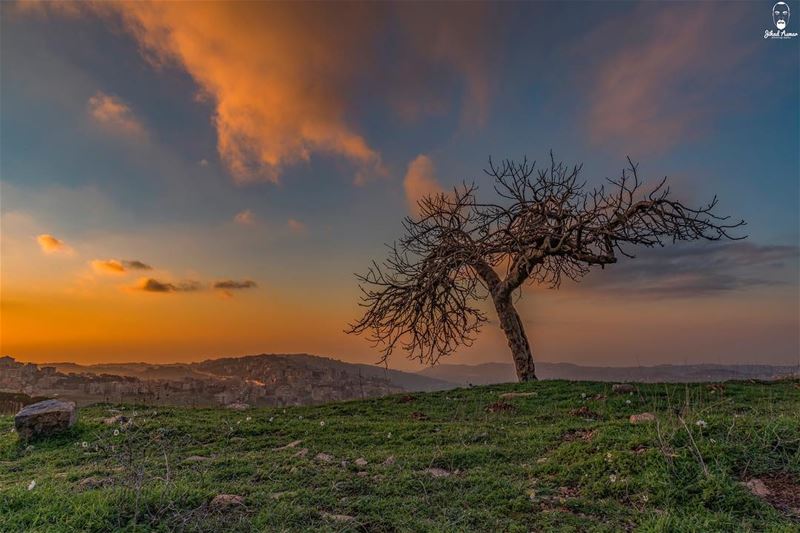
780	15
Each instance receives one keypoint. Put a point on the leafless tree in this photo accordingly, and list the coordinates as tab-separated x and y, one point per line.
546	224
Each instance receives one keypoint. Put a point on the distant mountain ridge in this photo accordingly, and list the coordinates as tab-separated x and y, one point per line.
246	367
490	373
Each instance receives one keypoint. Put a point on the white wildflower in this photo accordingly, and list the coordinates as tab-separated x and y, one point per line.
389	436
32	484
116	432
645	498
583	395
701	423
85	444
612	478
628	402
248	419
271	418
321	422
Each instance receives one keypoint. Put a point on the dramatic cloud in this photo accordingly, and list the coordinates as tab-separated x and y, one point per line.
51	245
230	284
285	78
696	270
245	218
669	83
420	181
115	115
114	266
154	285
276	73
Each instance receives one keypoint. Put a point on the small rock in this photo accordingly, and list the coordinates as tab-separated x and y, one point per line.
757	487
361	462
115	420
510	395
389	461
195	459
362	473
622	388
642	418
94	483
437	472
238	406
45	418
222	502
324	457
337	517
292	444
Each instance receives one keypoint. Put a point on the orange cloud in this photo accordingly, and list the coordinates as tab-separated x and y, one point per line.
116	267
275	72
420	181
283	77
245	218
114	114
51	245
653	93
154	285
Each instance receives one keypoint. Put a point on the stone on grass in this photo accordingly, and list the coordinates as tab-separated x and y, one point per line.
757	487
437	472
389	461
510	395
324	457
45	418
222	502
116	419
90	483
292	444
643	418
361	462
238	406
622	388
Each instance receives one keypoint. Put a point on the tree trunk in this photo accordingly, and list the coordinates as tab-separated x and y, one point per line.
517	340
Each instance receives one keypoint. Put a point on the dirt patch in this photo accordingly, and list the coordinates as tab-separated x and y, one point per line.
500	407
417	415
781	490
573	435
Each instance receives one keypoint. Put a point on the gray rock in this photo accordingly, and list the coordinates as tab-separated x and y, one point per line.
622	388
45	418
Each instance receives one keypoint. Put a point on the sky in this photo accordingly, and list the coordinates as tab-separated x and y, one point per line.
181	181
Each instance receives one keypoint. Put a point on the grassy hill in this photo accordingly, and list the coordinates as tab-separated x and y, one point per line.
565	458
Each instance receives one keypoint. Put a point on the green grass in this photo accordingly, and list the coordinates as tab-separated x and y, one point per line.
539	467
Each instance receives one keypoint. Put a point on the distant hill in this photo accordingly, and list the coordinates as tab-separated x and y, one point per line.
303	368
490	373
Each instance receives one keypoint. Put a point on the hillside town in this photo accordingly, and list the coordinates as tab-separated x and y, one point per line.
257	382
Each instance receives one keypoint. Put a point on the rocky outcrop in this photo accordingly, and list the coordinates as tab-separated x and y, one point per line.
45	418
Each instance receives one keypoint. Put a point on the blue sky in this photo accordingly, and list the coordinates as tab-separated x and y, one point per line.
123	144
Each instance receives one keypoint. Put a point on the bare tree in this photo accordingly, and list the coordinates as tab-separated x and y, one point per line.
545	224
